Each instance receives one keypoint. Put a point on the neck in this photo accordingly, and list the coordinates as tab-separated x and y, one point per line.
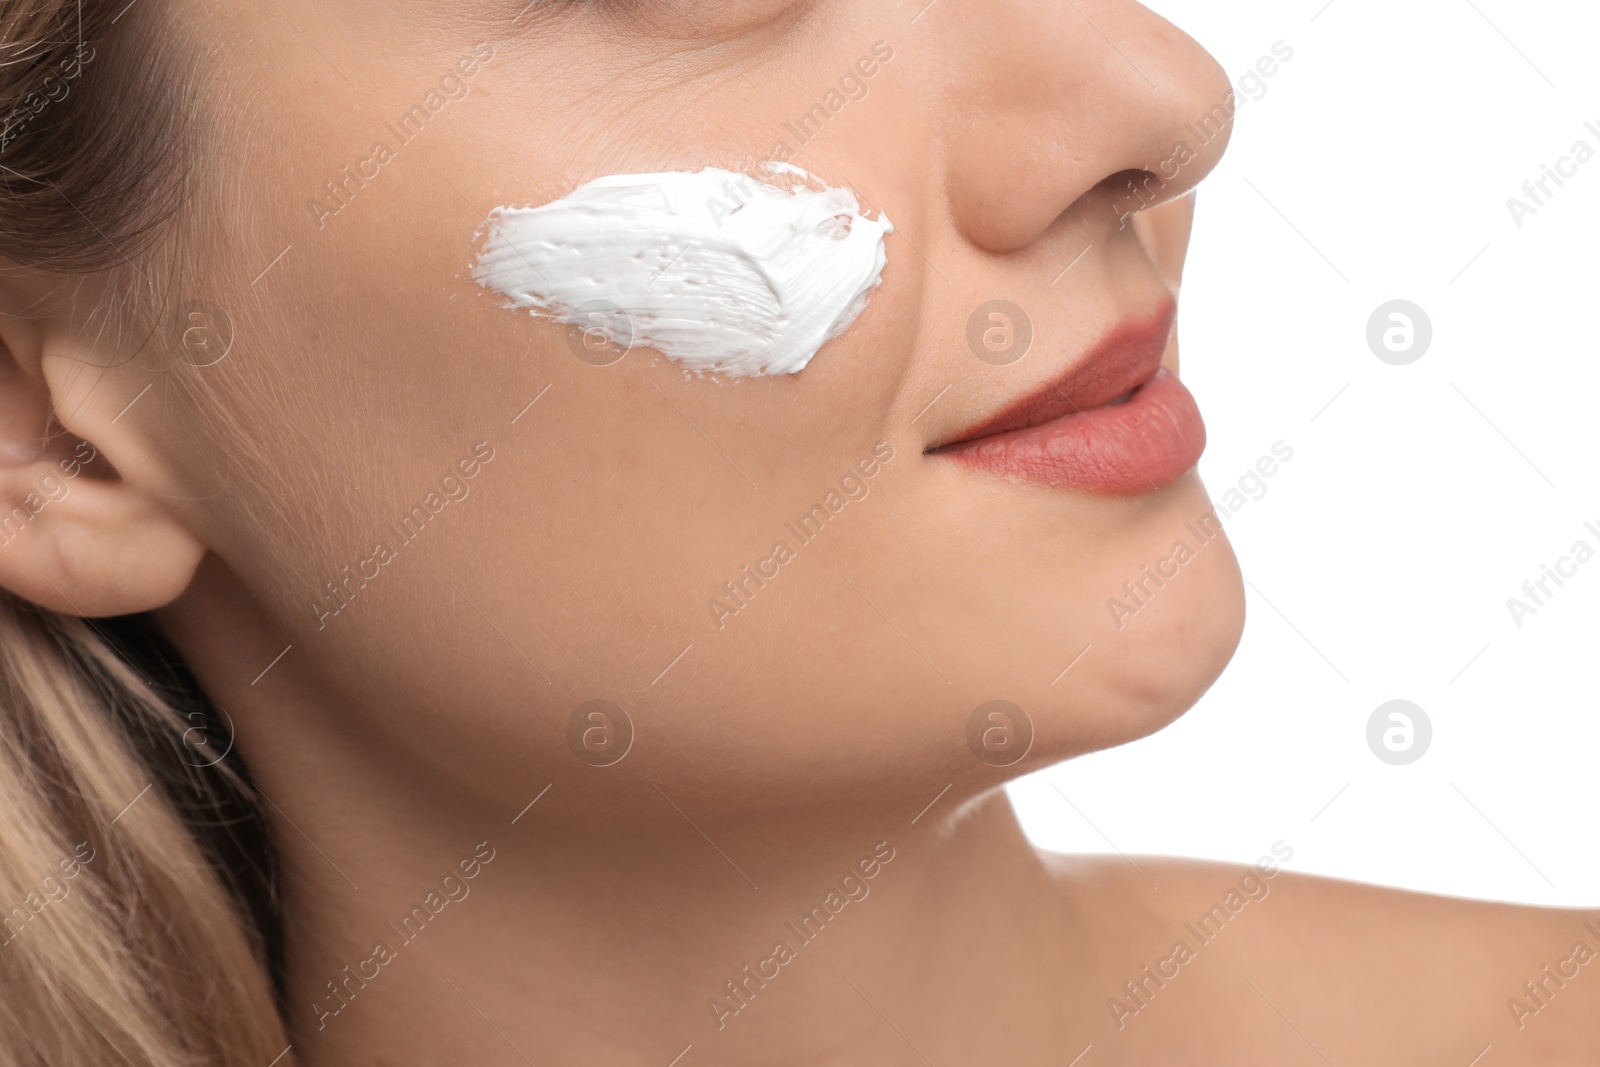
514	940
617	919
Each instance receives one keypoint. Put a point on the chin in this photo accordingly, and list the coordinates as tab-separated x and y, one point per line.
1155	659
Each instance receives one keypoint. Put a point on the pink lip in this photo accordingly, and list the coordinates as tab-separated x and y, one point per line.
1070	435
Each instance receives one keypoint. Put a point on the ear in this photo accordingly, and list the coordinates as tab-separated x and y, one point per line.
84	526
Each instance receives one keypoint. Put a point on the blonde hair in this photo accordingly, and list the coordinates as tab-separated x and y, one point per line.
125	944
137	893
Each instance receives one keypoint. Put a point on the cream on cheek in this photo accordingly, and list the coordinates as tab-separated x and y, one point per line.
714	269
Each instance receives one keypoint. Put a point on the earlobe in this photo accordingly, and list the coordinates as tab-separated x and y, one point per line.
77	542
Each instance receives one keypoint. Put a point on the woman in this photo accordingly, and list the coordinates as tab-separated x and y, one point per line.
567	702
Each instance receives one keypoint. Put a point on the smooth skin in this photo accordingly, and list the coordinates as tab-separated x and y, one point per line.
410	731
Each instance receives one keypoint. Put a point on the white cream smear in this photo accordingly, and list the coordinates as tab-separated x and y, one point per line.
715	269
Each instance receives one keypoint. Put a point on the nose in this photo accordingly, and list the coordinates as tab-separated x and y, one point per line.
1076	106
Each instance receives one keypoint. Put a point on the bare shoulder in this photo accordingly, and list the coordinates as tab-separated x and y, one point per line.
1273	963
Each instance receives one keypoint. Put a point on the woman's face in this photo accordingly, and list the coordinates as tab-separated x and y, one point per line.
468	524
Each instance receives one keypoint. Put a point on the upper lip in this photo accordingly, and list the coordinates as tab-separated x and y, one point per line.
1126	357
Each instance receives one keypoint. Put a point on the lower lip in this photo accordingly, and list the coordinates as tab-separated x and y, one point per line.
1143	444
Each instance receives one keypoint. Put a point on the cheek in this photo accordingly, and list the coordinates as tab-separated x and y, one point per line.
619	502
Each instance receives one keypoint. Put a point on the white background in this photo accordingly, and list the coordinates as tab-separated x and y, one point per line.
1378	166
